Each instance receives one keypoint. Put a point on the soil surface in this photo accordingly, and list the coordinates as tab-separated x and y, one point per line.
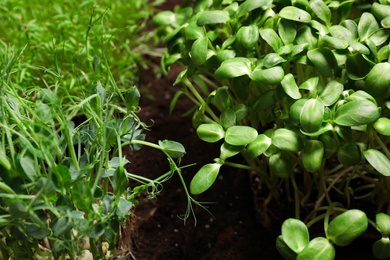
233	231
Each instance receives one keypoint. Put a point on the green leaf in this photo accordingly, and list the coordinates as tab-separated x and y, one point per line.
272	59
312	155
321	10
172	148
357	67
378	79
265	100
284	250
346	227
349	154
367	26
61	225
228	150
324	61
287	31
312	115
213	17
232	68
380	11
81	195
4	161
228	118
318	248
123	208
290	87
28	168
331	93
378	160
382	221
382	126
240	135
222	98
340	32
280	164
381	248
356	112
36	231
223	55
258	146
194	32
295	234
272	38
210	133
330	146
295	110
247	37
164	18
61	177
295	14
336	43
132	97
199	51
271	76
287	140
250	5
204	178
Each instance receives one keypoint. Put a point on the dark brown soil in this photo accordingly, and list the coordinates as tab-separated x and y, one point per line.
233	231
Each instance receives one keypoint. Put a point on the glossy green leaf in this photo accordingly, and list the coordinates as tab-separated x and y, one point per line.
123	208
222	99
311	85
324	61
269	76
164	18
280	164
232	68
36	231
241	111
172	148
284	250
331	93
340	32
287	31
204	178
210	133
325	127
28	167
382	126
367	26
287	140
379	37
346	227
312	155
336	43
360	95
250	5
61	177
247	37
258	146
305	35
272	38
349	154
312	115
295	110
132	97
380	11
4	161
213	17
272	59
378	160
356	112
295	234
318	248
357	67
290	86
322	30
199	51
228	118
265	100
61	225
193	31
240	135
382	221
378	79
330	145
295	14
321	10
223	55
381	248
228	150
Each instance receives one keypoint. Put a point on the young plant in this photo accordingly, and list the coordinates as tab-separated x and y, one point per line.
299	88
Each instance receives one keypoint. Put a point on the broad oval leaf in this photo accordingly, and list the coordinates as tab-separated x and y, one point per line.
349	154
382	222
381	248
272	59
290	87
336	43
213	17
204	178
199	51
367	26
330	145
382	126
284	250
324	61
378	160
295	110
380	11
247	37
312	155
280	164
287	140
164	18
318	248
232	68
295	234
378	79
331	93
269	76
295	14
210	133
172	148
321	10
228	118
28	168
265	100
312	115
287	31
311	85
346	227
272	38
240	135
250	5
356	112
357	67
228	150
258	146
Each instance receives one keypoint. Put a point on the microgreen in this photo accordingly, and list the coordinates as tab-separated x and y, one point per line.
300	89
